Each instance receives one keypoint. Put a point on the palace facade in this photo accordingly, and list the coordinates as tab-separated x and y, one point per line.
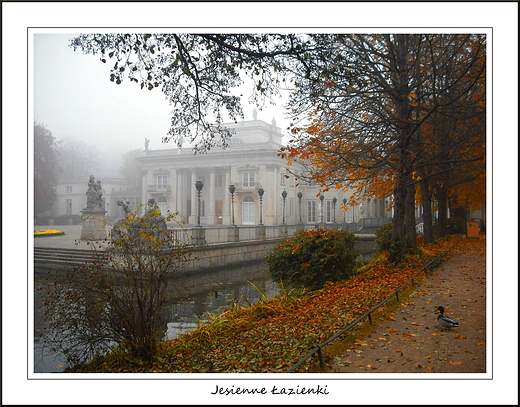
251	164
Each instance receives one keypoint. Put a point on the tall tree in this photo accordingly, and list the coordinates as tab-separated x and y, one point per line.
372	95
45	168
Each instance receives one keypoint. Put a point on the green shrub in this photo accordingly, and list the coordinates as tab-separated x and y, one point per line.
312	258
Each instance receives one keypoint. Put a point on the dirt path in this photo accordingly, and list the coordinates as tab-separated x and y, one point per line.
412	341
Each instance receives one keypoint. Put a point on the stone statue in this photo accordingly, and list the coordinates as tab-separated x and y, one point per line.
94	194
146	142
126	206
255	114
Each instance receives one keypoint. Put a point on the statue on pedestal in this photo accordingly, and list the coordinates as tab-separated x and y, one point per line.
94	213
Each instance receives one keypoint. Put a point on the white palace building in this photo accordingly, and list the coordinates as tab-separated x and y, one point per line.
251	164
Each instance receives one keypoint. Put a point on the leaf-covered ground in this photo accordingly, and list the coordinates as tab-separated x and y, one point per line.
272	336
411	341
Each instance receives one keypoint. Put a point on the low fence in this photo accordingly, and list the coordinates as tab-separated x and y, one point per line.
433	263
217	235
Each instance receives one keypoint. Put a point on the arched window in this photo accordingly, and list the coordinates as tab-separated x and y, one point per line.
248	210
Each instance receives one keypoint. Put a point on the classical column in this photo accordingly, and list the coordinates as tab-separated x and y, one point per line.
193	215
226	209
173	191
212	218
181	205
144	189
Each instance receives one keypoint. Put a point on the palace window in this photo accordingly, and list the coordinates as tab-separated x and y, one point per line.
68	188
311	211
162	182
248	179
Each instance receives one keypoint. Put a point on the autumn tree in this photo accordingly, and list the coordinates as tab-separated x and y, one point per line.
370	95
45	168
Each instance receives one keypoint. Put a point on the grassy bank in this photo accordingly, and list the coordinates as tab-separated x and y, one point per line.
272	335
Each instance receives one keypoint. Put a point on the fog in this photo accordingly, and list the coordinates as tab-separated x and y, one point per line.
73	97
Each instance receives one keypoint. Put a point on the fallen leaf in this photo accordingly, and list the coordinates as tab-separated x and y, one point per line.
392	330
481	343
430	368
435	334
455	363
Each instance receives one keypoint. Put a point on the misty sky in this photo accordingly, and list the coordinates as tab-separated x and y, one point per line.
73	97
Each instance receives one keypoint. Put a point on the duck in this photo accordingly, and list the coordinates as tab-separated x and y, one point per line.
445	321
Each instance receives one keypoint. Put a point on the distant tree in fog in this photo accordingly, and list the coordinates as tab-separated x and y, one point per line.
45	168
131	168
77	159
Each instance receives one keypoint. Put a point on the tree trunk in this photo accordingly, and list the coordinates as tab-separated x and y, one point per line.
426	196
442	210
411	239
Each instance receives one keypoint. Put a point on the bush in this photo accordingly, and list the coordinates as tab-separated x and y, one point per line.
117	298
312	258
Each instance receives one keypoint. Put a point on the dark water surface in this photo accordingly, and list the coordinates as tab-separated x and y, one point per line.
192	297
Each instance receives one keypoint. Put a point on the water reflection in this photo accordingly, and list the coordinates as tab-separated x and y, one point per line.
192	298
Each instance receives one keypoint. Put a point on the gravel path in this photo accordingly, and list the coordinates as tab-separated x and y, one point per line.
411	340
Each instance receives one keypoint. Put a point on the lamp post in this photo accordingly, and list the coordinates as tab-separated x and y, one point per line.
284	195
198	185
232	192
334	200
344	211
300	195
321	207
261	193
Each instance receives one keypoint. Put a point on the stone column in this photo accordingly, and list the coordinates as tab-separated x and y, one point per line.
211	218
226	205
173	191
181	204
193	215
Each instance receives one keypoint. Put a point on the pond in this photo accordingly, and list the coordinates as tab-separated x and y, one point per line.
191	298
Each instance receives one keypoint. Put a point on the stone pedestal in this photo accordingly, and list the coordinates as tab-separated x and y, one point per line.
199	236
260	232
94	224
233	234
283	231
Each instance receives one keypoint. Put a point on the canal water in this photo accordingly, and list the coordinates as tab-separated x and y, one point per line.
191	297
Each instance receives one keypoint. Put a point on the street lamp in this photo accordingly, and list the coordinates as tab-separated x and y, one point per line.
344	211
284	195
300	195
232	192
334	200
321	207
261	193
198	185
